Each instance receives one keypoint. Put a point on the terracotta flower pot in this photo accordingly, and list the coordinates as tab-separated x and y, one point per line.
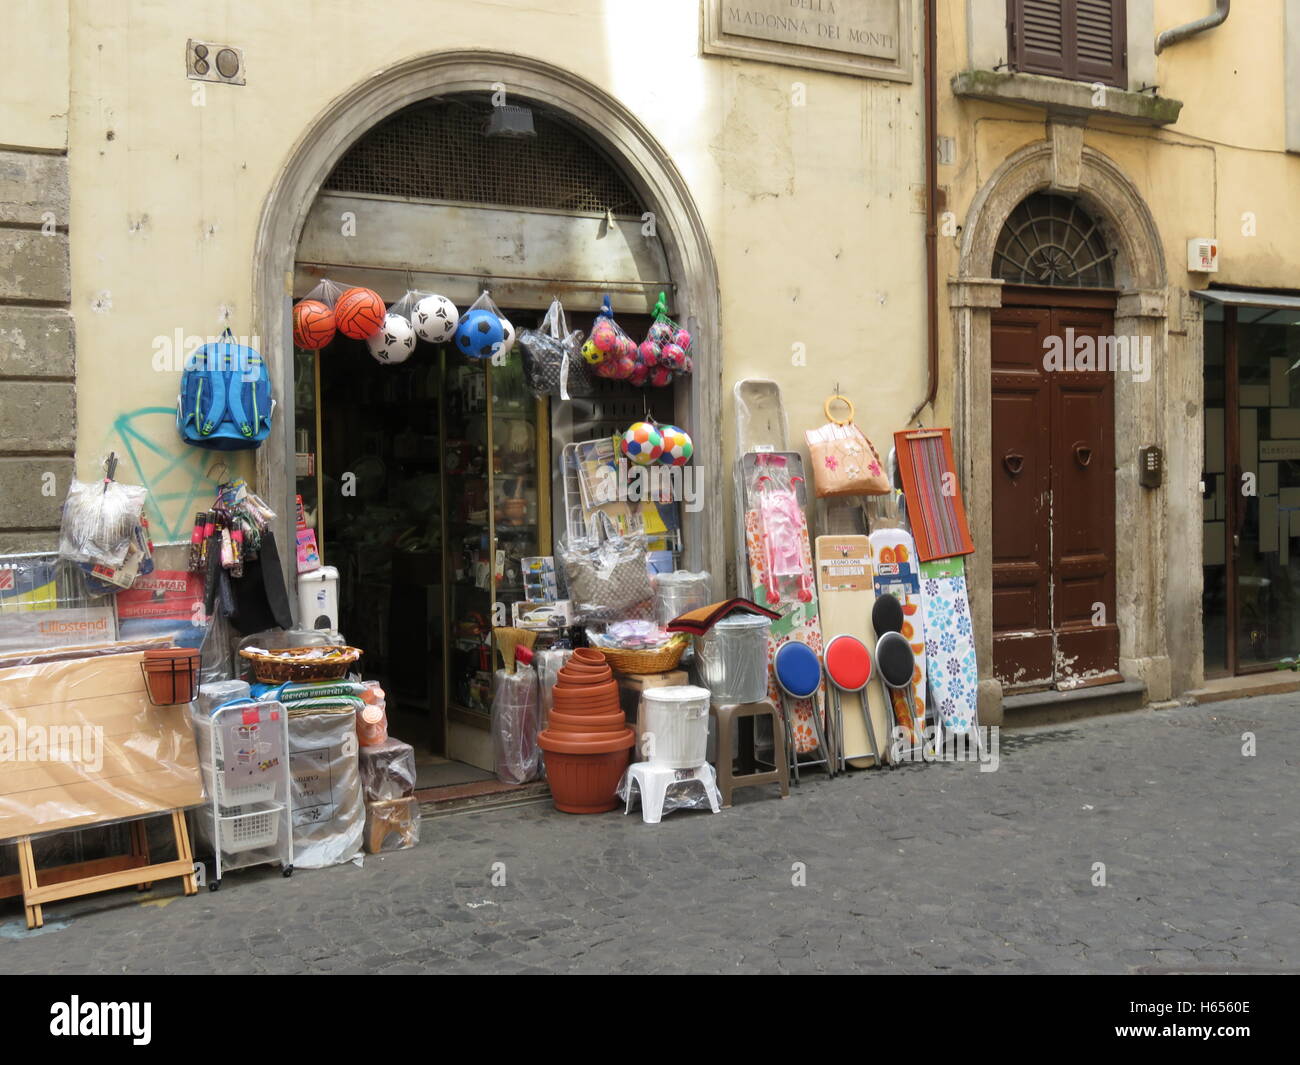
560	721
586	706
171	675
583	680
589	655
584	776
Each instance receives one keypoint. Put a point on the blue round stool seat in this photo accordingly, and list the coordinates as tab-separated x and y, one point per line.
798	671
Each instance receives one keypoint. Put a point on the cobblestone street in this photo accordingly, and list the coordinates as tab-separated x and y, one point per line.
927	868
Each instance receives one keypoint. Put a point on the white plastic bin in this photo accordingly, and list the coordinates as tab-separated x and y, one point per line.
243	830
318	599
677	721
733	659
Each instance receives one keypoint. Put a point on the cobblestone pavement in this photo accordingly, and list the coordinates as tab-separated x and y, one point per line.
926	868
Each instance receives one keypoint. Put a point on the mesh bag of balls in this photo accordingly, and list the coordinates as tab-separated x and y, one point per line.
609	350
665	351
552	366
647	443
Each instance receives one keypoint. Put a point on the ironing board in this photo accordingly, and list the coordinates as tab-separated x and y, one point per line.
949	644
894	572
845	592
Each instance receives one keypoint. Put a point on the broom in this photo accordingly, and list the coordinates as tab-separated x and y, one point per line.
507	639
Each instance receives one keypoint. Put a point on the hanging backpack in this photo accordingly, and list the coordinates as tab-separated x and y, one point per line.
225	400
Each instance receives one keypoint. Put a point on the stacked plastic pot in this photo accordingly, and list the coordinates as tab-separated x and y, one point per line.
587	741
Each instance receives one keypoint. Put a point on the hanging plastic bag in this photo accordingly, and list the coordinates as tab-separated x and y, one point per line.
553	363
665	351
516	707
844	461
100	519
609	349
606	574
483	332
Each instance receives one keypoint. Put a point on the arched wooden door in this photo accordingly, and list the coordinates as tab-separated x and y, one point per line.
1053	455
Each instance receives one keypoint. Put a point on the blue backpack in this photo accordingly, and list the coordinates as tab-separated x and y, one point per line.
225	401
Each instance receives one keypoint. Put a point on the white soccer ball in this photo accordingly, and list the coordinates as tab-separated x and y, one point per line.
508	341
394	342
435	319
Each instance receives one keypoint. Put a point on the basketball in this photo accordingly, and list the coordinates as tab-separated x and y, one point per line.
313	325
359	313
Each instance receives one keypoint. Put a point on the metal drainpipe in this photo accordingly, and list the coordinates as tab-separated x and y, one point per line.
931	209
1191	29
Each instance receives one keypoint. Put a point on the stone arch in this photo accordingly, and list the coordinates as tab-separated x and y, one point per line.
642	159
1063	164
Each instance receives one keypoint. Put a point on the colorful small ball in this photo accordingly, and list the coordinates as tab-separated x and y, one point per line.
642	443
435	319
592	353
682	339
313	325
605	336
479	333
394	342
661	377
640	371
359	313
661	333
677	446
648	353
690	365
672	356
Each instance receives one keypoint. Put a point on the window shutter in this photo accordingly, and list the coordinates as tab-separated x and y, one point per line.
1081	39
1101	40
1039	27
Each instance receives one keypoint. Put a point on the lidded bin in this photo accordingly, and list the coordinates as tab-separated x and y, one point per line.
677	723
733	658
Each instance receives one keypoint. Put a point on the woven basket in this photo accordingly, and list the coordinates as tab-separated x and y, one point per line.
291	663
658	660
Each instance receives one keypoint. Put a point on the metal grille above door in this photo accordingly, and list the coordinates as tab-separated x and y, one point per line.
441	150
1051	240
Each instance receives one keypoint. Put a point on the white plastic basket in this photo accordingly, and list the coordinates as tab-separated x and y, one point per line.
229	794
253	830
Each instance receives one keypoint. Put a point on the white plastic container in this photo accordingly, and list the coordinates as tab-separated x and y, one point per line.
733	659
677	722
318	599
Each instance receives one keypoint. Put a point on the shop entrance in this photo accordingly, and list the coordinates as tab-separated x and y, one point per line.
429	481
1053	453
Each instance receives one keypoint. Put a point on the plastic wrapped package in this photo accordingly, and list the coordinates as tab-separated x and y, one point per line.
679	592
760	416
329	816
392	824
516	705
548	665
99	521
553	364
387	770
687	793
220	692
81	744
606	574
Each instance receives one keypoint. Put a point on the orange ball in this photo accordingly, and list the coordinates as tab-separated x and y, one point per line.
359	313
313	325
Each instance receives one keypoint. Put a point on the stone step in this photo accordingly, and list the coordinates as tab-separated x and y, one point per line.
1055	707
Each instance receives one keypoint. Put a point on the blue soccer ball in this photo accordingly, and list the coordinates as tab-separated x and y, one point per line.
479	334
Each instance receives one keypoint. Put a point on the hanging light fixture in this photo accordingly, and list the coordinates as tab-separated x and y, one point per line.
511	120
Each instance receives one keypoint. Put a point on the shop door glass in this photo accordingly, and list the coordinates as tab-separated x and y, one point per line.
1214	517
1267	553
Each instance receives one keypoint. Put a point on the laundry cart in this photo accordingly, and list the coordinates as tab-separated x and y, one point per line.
244	753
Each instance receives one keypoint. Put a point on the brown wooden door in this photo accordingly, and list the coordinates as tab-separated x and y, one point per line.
1053	500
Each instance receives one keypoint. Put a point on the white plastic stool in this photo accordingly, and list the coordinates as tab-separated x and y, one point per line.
653	782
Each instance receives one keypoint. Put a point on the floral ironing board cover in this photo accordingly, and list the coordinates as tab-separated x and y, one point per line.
950	643
894	565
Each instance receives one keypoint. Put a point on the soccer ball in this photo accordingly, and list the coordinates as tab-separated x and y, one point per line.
508	341
479	333
394	342
642	443
592	353
678	447
435	318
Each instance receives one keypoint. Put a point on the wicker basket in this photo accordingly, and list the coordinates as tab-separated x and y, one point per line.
292	663
658	660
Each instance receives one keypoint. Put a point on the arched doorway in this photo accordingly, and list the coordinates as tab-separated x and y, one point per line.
636	175
1144	602
1052	455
